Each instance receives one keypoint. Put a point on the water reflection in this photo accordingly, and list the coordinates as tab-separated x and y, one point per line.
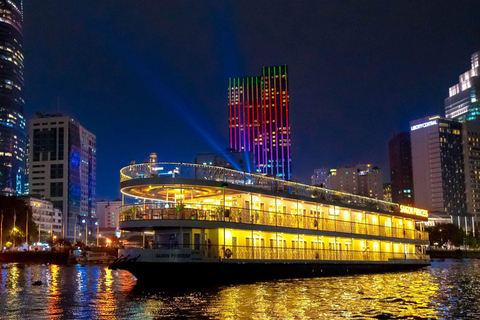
54	299
105	302
449	289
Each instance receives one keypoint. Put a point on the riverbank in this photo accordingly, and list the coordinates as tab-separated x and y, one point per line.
35	257
454	254
52	257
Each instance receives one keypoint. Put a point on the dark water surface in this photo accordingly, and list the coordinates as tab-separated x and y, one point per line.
446	290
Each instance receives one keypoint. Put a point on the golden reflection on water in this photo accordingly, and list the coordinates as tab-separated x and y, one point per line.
12	287
392	294
105	302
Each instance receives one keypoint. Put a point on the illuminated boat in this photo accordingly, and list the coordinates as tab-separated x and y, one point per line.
200	223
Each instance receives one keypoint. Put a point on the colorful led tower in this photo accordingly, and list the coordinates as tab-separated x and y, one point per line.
259	120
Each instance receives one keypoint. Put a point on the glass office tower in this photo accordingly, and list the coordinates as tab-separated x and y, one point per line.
463	102
12	121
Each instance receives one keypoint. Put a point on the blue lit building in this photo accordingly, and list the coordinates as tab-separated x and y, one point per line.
12	121
62	167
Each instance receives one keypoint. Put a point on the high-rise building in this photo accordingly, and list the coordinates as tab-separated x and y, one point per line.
108	214
387	192
463	102
363	179
63	169
26	189
370	181
438	168
237	160
471	155
259	120
401	173
320	177
12	121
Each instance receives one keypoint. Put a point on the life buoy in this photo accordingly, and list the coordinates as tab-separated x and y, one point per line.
228	253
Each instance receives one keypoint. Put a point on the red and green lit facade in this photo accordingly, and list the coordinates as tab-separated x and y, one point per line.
259	120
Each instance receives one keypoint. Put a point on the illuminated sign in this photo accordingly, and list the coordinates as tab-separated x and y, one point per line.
415	211
423	125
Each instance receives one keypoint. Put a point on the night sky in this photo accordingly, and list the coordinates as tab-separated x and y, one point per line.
152	76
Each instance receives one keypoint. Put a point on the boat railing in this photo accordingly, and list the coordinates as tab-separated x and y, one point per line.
268	218
269	253
255	180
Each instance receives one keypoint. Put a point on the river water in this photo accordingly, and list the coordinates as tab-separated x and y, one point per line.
445	290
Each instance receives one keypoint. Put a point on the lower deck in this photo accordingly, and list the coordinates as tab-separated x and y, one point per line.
189	267
234	244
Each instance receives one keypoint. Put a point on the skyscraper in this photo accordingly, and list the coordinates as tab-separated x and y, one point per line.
471	155
463	102
320	177
63	169
12	121
401	173
438	168
259	120
363	179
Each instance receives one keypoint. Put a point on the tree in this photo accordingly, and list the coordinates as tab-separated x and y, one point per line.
14	208
115	241
80	244
443	233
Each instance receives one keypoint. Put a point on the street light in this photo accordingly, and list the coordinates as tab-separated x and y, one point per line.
14	237
96	223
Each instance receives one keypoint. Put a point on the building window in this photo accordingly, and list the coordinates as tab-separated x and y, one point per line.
56	189
56	171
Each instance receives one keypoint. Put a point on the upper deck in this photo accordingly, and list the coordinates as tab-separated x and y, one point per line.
211	176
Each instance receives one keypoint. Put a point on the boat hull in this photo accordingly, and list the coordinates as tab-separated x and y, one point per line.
223	272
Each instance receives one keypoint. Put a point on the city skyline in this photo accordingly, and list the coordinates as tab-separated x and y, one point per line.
156	159
342	87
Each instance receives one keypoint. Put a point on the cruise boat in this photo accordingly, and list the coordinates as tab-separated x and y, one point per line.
200	223
93	257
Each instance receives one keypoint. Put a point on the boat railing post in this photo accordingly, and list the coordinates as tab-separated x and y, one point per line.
276	227
365	223
253	246
335	219
352	224
298	216
335	245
